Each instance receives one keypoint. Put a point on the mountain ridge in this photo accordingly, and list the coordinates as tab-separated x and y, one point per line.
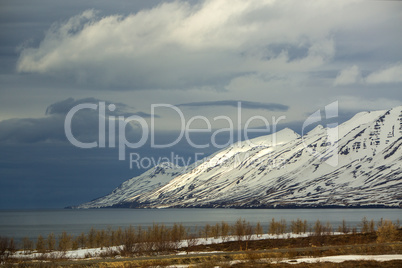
283	169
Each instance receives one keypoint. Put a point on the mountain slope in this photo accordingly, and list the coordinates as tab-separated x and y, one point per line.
286	170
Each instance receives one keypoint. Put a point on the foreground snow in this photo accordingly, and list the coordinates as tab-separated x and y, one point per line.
70	254
96	252
334	259
342	258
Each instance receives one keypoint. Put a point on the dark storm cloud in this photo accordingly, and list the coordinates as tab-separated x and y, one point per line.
235	103
64	106
49	175
51	127
121	109
32	130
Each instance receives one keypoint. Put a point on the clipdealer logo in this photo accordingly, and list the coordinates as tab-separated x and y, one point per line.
147	131
109	137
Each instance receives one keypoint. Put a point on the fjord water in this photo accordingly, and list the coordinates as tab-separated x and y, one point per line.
31	223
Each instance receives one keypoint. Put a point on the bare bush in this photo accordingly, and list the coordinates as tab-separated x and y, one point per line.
117	236
81	240
40	244
192	241
365	226
177	234
7	247
318	228
372	226
129	241
163	239
258	229
276	227
51	242
216	230
298	226
101	239
207	231
225	229
248	231
328	229
386	232
239	229
91	238
343	228
27	245
65	242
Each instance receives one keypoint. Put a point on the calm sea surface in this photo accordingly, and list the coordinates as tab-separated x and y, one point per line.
31	223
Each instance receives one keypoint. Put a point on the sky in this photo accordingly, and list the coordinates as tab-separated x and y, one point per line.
124	79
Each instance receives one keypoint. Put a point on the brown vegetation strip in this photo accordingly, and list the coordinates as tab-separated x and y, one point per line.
249	257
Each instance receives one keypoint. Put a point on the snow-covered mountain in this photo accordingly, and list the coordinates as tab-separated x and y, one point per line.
361	167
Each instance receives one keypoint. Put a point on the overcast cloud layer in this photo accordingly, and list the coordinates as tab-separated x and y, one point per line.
279	58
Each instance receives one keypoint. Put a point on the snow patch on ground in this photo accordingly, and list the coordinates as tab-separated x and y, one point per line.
342	258
96	252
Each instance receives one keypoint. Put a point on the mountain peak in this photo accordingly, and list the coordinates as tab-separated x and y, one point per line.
279	137
317	130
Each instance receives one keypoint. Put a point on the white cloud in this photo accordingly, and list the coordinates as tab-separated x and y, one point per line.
352	75
392	74
179	45
348	76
